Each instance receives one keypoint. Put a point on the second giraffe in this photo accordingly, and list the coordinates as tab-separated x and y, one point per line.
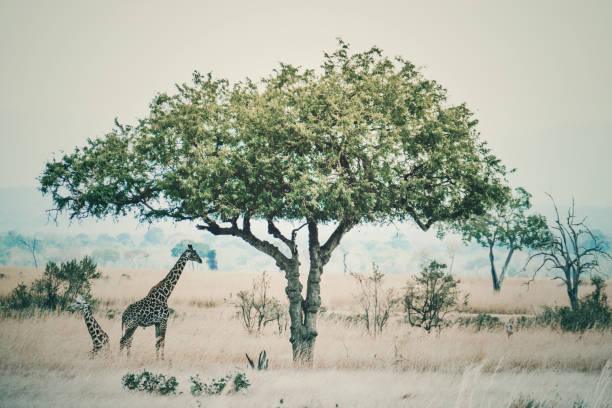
99	337
153	308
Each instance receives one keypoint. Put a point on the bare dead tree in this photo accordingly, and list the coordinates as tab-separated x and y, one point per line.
375	303
256	308
572	250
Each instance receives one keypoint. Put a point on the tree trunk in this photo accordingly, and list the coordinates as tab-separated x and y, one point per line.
572	292
502	275
303	343
303	313
302	347
496	283
571	283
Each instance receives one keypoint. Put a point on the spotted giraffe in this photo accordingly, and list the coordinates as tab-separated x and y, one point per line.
153	308
98	336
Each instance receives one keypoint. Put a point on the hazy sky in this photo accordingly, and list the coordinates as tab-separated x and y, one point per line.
537	73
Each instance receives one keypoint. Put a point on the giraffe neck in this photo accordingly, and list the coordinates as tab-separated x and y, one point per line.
91	322
166	286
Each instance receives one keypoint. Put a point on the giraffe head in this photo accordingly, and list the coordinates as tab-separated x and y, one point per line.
192	255
79	304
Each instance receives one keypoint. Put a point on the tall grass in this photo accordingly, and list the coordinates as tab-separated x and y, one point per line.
44	360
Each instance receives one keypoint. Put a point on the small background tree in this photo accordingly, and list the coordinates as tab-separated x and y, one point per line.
431	297
32	245
506	226
571	250
376	303
13	239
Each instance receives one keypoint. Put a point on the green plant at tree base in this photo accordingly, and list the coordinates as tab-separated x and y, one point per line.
262	361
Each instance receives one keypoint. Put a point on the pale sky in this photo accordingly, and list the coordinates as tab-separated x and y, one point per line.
537	73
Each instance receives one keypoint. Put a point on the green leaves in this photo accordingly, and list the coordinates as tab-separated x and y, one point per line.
507	225
431	297
365	139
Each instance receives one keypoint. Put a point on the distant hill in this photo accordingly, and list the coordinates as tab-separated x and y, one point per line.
397	248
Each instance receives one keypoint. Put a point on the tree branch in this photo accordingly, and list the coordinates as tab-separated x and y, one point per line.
334	239
262	245
422	225
275	232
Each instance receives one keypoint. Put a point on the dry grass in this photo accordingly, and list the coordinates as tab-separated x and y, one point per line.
43	361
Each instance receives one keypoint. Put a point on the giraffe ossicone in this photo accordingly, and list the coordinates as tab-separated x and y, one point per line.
152	310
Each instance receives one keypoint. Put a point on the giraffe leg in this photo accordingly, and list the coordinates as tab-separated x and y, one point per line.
95	350
157	339
126	340
160	338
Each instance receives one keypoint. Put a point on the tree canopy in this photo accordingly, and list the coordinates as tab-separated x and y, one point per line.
366	139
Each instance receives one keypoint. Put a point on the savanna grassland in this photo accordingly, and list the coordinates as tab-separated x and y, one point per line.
44	359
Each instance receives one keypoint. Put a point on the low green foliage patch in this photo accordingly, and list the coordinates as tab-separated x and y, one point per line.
236	380
482	321
150	382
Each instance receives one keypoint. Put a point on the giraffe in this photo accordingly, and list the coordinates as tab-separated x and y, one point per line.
98	336
153	308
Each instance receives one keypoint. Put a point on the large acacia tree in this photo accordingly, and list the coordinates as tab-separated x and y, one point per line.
364	139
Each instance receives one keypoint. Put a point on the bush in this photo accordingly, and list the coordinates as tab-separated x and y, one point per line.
19	299
433	295
57	288
151	383
591	312
375	303
480	322
197	387
256	308
238	381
